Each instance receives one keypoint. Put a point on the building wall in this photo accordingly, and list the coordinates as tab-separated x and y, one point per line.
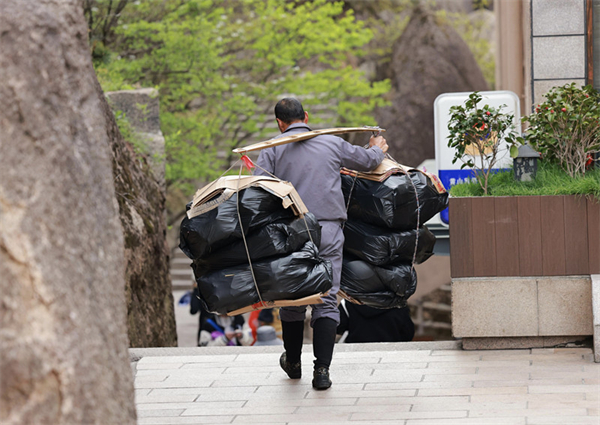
558	44
511	73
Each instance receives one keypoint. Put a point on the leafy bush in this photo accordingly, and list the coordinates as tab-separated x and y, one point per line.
566	127
476	133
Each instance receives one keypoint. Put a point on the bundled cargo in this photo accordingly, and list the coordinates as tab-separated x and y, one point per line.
274	239
218	218
387	196
253	245
384	234
377	286
381	246
298	275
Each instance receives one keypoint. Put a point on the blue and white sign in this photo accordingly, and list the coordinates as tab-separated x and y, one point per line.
451	174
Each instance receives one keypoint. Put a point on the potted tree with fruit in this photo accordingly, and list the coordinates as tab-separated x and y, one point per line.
476	134
566	127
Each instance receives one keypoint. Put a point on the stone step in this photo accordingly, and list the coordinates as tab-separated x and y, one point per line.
181	260
182	272
428	305
181	269
431	324
185	284
182	276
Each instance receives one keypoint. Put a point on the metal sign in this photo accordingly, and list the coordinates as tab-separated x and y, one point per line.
451	174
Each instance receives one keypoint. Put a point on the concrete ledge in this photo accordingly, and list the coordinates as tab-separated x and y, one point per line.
513	307
526	342
494	307
136	354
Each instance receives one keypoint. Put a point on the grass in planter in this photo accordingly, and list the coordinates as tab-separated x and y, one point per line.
550	180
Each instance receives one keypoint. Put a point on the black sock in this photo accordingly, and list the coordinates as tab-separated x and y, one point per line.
323	341
293	337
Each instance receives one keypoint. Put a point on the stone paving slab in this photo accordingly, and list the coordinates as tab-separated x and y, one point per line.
405	383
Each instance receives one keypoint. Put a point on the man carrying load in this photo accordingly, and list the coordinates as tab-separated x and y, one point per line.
313	167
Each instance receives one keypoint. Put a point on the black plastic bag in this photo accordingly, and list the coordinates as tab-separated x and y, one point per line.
295	276
275	239
392	203
378	286
219	227
381	246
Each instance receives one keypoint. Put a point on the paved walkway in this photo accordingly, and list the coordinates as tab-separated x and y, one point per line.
417	383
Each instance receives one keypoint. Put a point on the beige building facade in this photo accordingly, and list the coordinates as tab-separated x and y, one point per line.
546	43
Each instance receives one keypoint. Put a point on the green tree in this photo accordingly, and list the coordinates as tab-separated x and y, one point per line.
220	66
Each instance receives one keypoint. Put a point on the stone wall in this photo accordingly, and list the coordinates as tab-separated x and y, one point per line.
140	193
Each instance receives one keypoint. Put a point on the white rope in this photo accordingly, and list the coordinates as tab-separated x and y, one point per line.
242	229
414	258
244	236
349	197
418	221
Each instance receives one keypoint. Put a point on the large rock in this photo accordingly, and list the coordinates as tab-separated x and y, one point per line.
430	58
139	185
63	329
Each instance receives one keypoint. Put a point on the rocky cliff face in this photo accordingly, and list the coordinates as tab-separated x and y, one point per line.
140	193
429	58
63	329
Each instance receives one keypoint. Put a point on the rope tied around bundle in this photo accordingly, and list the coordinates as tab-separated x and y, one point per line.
247	162
406	173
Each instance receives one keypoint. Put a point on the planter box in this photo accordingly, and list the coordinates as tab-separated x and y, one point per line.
521	269
524	236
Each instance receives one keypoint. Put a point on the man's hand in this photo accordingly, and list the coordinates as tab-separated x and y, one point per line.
380	142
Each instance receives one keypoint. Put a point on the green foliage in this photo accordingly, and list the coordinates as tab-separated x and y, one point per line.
129	134
220	67
476	134
550	180
566	127
480	4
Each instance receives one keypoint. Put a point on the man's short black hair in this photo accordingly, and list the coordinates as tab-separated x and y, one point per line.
289	110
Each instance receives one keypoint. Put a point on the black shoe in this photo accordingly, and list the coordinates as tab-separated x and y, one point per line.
321	379
293	370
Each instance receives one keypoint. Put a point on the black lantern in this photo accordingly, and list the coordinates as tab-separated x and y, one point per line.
526	163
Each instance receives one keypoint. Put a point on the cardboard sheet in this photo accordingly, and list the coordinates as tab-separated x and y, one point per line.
215	193
311	299
387	168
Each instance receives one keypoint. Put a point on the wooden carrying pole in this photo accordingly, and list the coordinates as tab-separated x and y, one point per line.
304	136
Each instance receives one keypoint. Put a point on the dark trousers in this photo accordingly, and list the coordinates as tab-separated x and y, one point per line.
324	317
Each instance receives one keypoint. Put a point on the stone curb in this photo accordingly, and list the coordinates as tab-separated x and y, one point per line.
135	354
